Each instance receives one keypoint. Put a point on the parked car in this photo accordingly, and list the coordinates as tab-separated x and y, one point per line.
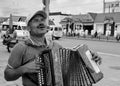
57	32
11	36
21	32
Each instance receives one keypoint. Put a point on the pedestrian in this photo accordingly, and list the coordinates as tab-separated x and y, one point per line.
6	41
22	61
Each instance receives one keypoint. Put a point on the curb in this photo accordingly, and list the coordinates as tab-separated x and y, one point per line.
93	39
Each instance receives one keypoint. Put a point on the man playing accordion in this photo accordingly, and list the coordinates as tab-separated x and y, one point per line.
26	61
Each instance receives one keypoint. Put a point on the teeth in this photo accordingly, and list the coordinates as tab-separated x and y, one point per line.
41	27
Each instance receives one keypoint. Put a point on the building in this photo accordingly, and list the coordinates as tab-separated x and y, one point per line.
100	22
111	7
107	21
82	21
56	17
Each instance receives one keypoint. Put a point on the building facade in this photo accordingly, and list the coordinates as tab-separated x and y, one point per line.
107	22
56	17
101	22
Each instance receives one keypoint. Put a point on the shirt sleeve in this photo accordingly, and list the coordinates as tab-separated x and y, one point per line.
15	58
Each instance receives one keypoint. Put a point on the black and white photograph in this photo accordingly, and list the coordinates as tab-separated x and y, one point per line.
59	42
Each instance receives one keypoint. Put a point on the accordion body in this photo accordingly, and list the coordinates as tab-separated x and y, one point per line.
55	71
42	75
73	67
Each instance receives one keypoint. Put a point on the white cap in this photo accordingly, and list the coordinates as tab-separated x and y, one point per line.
40	12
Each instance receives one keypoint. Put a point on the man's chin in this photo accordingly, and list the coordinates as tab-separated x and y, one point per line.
38	34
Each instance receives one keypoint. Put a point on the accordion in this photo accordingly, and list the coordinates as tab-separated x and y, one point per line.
73	67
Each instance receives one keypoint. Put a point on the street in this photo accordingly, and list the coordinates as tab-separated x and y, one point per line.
108	51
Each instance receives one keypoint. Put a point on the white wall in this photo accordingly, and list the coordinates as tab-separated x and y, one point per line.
99	27
57	18
118	27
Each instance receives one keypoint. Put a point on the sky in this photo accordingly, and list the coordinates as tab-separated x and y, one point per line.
26	7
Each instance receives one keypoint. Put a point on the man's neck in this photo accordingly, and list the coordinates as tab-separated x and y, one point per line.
38	40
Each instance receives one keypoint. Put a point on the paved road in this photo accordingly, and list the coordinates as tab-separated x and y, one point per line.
109	52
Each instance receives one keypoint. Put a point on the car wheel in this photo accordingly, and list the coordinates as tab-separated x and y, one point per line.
57	38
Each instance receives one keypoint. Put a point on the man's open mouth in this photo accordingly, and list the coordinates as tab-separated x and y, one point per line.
41	26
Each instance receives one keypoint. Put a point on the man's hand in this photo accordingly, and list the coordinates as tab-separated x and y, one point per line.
96	58
32	67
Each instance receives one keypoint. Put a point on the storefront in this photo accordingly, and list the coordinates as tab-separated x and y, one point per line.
105	22
88	26
109	25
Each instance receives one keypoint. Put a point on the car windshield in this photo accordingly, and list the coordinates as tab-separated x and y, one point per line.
5	27
56	29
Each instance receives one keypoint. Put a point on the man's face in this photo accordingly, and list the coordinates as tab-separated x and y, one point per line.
37	26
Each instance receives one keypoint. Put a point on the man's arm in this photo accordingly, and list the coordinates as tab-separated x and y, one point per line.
14	73
13	70
11	74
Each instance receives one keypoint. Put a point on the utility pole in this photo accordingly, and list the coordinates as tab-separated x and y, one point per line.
10	24
103	6
46	9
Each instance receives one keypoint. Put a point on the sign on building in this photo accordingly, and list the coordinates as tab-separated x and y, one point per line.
110	7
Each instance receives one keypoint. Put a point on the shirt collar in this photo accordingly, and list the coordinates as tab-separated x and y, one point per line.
36	44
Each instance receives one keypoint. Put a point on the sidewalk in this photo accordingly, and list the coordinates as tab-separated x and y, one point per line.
102	38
